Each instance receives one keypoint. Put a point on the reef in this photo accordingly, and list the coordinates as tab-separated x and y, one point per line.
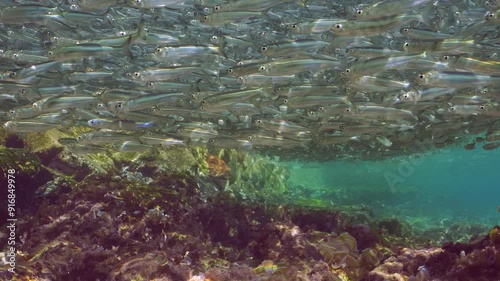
194	213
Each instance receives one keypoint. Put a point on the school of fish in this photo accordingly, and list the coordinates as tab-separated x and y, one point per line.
313	79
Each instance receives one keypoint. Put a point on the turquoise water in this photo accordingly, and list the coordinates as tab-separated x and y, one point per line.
452	183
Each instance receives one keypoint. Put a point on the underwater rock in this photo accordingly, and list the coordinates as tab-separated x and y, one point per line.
494	235
321	220
321	272
389	270
365	237
392	226
463	232
217	167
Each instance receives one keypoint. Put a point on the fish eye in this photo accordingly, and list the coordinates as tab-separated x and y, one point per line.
92	122
258	121
240	79
149	84
453	108
122	33
338	26
217	8
344	73
230	70
50	53
484	91
263	48
137	74
359	12
446	57
203	102
489	16
205	18
262	68
421	76
138	1
12	74
285	101
158	50
240	63
482	107
100	105
406	44
79	138
321	108
312	113
12	112
405	30
213	38
347	110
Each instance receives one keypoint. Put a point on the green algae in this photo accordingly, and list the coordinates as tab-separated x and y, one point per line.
19	159
257	178
176	161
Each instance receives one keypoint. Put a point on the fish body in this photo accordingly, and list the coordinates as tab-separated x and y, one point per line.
292	66
372	27
388	7
456	79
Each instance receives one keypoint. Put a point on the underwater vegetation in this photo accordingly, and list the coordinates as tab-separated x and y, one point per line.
149	217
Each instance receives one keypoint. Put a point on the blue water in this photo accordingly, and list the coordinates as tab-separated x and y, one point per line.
452	183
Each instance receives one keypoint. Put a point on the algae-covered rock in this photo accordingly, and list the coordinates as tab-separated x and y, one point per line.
217	167
41	141
176	160
256	178
18	159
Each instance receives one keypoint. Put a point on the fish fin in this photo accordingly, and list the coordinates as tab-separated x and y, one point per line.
427	16
141	30
126	47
